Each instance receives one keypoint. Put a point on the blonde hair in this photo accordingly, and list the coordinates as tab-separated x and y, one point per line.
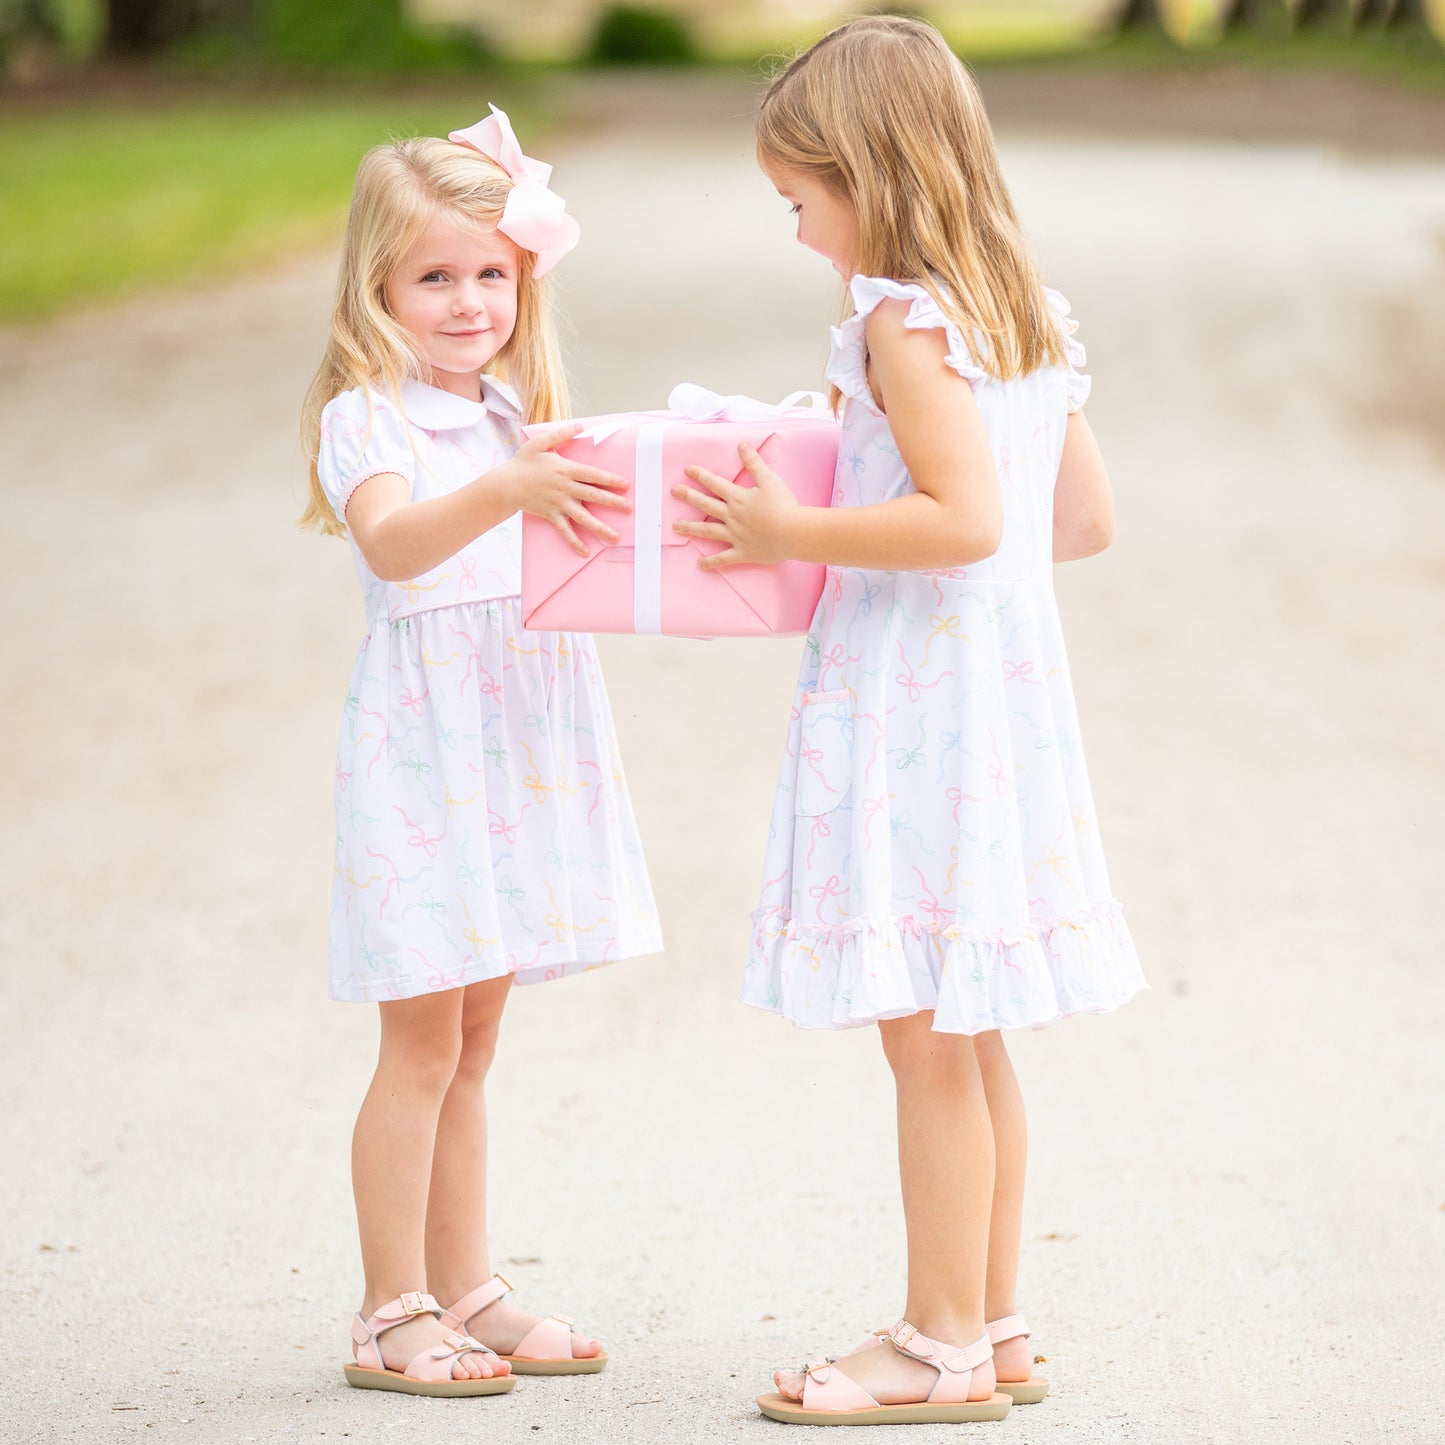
882	110
400	189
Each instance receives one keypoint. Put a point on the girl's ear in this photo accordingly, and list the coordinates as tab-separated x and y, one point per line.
379	292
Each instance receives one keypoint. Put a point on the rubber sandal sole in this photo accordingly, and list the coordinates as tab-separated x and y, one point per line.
556	1367
366	1379
1024	1392
791	1412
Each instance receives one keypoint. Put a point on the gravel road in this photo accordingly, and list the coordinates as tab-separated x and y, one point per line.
1236	1229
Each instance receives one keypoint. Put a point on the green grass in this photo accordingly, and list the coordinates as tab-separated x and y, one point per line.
100	202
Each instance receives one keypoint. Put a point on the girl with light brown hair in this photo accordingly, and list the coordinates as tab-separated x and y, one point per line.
933	865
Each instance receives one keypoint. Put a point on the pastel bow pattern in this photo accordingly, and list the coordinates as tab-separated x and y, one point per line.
535	217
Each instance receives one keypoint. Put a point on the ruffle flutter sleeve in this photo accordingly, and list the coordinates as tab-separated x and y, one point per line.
358	442
1077	385
924	314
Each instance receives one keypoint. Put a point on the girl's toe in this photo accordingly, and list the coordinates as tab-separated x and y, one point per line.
789	1383
585	1349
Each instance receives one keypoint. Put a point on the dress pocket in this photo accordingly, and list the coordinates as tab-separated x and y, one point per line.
825	753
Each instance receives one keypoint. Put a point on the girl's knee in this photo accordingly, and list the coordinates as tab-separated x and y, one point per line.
481	1021
428	1070
421	1044
993	1059
990	1048
478	1046
914	1049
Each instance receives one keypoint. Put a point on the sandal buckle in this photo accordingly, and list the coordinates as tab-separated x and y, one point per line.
565	1319
505	1281
412	1303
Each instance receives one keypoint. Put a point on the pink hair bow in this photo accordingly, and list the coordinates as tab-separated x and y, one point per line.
535	217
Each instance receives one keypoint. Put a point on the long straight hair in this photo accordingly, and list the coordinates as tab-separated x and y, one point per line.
400	189
882	111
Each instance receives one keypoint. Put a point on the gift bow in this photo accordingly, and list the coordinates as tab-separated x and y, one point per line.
535	217
690	402
697	403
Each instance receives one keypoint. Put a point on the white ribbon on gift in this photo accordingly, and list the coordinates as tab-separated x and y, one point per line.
697	403
687	402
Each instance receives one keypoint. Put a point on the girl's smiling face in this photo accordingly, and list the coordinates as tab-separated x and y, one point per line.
456	293
827	222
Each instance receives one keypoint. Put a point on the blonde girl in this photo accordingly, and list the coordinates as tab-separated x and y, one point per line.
933	866
483	830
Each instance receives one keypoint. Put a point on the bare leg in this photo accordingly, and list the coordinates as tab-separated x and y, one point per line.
945	1162
1013	1360
391	1160
458	1255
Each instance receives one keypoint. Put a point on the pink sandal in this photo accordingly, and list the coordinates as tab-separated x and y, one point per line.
546	1349
831	1398
430	1372
1023	1392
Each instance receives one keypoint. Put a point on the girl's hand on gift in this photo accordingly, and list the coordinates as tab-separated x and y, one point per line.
754	521
560	490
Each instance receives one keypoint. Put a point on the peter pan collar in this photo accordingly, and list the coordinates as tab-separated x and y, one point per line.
433	409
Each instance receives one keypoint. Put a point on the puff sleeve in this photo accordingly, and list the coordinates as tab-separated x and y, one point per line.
360	441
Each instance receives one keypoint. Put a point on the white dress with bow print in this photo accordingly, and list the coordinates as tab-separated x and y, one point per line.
933	842
483	825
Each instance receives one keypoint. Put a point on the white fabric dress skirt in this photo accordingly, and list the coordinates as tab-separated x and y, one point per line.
483	825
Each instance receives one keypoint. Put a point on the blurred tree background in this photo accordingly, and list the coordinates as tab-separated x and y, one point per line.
199	136
402	34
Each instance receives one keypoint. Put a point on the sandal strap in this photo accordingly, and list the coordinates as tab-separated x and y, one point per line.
436	1363
366	1332
953	1358
475	1301
404	1307
1010	1327
827	1389
549	1339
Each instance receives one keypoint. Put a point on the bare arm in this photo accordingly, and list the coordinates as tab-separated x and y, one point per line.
953	517
400	539
1083	499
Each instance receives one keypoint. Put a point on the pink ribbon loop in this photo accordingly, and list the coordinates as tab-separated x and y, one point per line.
535	217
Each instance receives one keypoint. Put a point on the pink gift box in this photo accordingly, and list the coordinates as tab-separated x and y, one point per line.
649	580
